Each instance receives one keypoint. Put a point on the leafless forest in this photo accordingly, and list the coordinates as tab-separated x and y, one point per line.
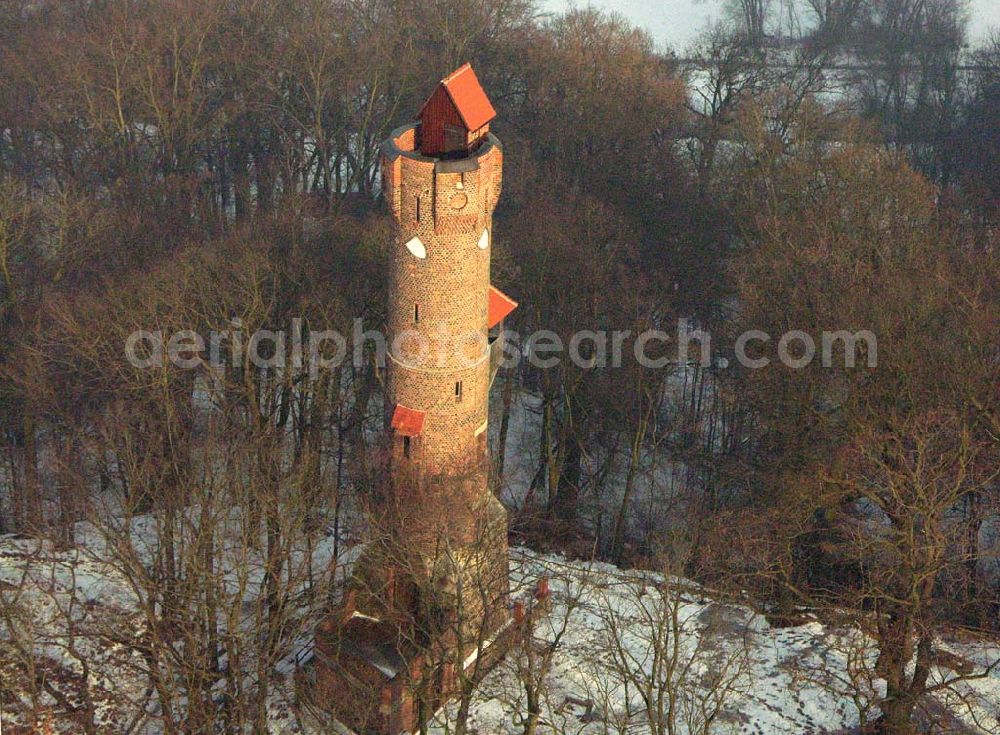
209	165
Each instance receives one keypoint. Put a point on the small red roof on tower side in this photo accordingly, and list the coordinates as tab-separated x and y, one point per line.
465	92
500	306
407	421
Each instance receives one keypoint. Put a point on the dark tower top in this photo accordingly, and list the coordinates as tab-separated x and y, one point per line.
456	117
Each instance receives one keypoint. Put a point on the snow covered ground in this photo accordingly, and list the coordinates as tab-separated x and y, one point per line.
637	653
729	670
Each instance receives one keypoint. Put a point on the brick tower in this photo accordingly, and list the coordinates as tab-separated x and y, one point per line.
430	592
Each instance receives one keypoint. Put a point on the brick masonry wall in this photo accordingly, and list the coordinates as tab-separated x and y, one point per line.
438	305
452	497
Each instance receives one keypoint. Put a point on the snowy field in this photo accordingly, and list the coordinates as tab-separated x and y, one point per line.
727	670
636	653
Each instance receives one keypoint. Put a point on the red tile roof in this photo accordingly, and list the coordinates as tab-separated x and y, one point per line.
500	306
407	421
468	97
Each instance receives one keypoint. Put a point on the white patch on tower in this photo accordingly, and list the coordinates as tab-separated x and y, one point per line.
484	240
417	249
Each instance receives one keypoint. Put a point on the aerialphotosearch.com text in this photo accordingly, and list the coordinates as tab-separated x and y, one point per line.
317	350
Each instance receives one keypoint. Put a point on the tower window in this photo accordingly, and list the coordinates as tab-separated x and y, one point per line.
458	390
418	208
406	447
455	139
416	313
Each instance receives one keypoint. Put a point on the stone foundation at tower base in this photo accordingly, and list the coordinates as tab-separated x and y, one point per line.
420	615
369	685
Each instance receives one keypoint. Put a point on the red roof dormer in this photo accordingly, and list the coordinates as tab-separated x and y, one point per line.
500	305
407	421
456	117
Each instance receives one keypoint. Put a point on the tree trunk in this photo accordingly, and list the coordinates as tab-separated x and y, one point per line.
568	487
32	505
618	538
508	397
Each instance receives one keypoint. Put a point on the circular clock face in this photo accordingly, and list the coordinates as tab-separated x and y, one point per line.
416	248
459	200
484	240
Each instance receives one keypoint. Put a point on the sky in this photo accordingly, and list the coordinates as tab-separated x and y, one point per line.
677	22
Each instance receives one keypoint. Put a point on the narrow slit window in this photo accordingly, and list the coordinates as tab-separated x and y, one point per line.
406	447
418	209
458	390
416	313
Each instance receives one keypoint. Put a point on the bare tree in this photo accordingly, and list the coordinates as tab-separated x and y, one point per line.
671	661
